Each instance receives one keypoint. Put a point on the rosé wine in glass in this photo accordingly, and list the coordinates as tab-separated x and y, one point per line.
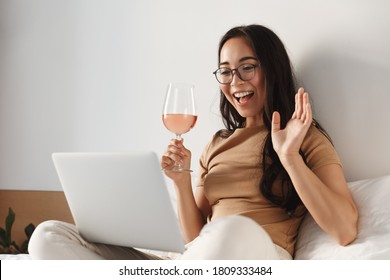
179	123
179	115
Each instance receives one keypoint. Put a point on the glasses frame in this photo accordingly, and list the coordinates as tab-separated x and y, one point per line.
235	71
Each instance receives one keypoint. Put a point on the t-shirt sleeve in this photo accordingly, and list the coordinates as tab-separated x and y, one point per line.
203	162
203	167
318	150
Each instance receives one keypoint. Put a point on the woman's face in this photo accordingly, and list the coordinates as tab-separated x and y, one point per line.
246	96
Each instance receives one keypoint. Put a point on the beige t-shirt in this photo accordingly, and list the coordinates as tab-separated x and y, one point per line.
230	172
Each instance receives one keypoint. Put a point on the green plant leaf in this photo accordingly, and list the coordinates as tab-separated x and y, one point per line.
24	247
9	221
28	230
2	237
17	249
9	246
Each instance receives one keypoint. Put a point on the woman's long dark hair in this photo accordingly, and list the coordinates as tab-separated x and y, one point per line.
280	92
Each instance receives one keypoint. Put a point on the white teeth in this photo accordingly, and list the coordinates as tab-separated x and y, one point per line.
242	94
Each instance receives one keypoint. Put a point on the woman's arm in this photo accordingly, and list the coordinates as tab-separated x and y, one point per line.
324	191
192	210
326	196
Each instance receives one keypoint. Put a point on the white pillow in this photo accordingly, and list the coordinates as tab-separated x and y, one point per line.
372	197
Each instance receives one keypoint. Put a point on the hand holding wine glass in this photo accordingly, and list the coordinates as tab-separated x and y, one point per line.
179	115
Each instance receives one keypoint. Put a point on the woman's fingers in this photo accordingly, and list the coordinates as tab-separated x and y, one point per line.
297	107
299	103
304	101
308	115
275	122
175	153
166	162
306	108
302	106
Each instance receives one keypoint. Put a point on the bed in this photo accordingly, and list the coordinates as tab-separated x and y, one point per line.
372	197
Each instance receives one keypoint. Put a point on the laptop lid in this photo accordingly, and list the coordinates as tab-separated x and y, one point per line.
120	199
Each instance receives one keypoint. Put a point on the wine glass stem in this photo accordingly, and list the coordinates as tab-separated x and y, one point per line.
178	166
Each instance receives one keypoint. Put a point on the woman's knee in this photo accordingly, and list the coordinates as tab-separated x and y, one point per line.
48	228
46	232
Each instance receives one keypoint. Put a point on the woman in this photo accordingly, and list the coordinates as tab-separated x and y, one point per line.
273	161
258	176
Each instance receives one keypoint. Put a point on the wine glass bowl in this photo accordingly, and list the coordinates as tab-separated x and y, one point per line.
179	123
179	114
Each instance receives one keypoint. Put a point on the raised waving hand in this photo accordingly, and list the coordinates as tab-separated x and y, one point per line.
288	141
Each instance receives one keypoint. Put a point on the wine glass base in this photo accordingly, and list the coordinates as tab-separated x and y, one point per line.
181	170
177	170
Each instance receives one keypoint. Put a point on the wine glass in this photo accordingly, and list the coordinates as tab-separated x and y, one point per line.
179	114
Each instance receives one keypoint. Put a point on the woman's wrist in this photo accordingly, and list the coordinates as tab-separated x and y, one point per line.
290	160
182	181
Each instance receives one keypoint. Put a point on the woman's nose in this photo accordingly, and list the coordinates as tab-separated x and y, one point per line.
236	78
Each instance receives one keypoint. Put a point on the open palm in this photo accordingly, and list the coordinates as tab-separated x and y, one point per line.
288	141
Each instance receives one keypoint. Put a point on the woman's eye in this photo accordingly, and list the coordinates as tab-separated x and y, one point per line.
225	72
248	68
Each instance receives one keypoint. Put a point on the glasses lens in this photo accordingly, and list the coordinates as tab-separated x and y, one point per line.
224	75
246	71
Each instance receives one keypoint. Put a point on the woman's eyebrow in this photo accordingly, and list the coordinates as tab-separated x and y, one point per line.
241	60
247	58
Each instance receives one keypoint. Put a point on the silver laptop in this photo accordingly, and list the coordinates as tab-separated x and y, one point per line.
120	199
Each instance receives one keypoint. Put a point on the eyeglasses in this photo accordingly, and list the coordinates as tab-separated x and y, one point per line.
245	72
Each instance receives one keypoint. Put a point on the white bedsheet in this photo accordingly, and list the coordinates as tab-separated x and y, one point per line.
14	257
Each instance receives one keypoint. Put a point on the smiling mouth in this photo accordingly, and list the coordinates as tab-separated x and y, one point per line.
242	97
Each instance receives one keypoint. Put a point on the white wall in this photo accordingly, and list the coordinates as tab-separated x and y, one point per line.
87	75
